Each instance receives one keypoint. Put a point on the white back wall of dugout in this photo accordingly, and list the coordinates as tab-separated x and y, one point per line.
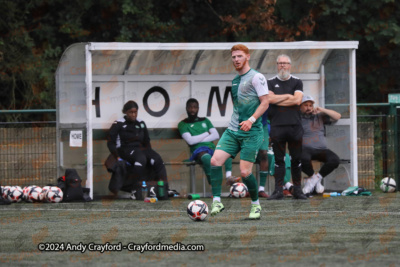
94	80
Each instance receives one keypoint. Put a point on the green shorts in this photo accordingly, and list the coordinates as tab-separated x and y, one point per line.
247	143
265	143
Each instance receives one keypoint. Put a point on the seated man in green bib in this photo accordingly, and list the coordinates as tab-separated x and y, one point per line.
199	133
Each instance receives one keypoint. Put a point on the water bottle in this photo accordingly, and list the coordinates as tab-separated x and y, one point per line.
144	190
333	194
161	189
194	196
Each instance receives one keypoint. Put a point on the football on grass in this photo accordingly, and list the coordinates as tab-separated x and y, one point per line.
238	190
15	194
388	185
25	193
54	195
34	194
197	210
5	190
45	189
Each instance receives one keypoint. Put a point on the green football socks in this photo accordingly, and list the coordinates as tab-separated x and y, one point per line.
216	180
251	183
263	177
206	163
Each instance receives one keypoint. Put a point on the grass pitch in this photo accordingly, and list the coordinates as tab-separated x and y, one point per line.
336	231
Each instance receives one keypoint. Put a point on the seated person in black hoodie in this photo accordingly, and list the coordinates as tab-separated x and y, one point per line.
129	142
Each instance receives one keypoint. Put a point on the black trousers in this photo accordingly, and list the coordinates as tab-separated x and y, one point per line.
330	159
143	161
292	136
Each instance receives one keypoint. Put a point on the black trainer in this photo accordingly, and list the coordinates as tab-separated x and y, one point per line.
298	193
172	193
137	193
276	195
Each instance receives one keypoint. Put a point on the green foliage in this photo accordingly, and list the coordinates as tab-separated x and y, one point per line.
376	26
20	62
34	34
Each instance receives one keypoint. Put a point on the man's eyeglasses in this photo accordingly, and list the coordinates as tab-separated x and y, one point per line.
283	63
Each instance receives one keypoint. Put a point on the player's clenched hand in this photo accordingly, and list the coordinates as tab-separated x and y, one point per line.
245	125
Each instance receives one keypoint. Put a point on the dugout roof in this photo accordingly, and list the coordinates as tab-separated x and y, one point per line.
195	58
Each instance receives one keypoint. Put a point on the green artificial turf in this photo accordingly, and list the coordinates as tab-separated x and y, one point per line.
336	231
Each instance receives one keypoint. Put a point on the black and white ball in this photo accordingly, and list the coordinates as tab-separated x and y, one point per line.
238	190
15	194
388	185
5	190
197	210
45	189
25	193
54	195
34	194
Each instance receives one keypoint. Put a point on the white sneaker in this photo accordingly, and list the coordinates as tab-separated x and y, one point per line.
133	195
310	184
319	188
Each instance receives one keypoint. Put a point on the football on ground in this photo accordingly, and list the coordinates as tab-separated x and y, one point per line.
388	185
54	195
45	189
238	190
15	194
197	210
5	190
35	194
25	192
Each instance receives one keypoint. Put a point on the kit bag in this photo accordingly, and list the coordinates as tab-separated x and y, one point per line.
71	185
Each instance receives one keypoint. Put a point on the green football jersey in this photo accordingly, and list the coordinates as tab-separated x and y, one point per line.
199	126
246	90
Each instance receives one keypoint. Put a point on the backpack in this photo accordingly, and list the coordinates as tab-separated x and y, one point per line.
71	186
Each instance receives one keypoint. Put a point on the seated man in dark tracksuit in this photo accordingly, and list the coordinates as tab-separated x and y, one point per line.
129	143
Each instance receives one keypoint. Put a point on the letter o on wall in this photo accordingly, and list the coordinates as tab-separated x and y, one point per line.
166	98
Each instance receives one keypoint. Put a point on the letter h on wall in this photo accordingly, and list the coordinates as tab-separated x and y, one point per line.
96	101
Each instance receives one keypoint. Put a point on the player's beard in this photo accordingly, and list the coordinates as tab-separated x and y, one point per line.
240	67
284	74
192	117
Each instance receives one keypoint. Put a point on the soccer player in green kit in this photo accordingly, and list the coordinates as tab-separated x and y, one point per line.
199	133
245	131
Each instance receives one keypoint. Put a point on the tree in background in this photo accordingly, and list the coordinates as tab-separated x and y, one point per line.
376	25
34	34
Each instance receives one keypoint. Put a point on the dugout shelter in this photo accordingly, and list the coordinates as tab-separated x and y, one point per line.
94	80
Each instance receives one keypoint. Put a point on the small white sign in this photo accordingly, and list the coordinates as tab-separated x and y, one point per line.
75	139
394	98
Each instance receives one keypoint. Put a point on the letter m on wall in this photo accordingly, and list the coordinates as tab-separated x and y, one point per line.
221	103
